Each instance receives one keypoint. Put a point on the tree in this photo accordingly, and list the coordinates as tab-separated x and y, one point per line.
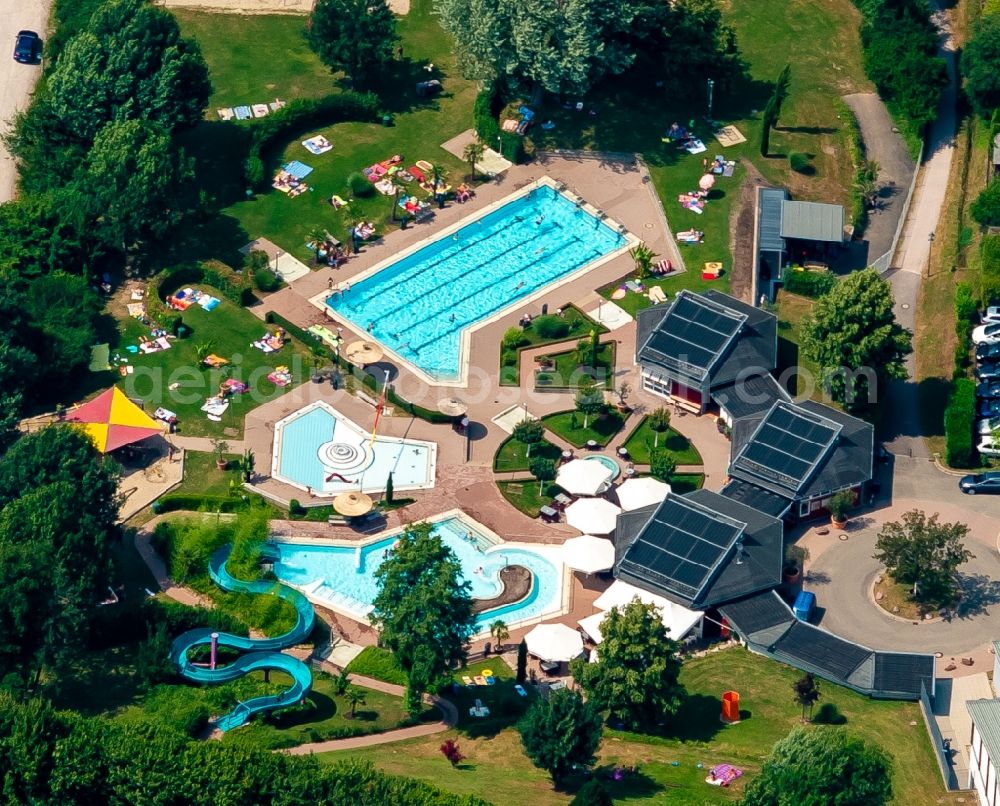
355	696
853	336
247	465
589	401
522	662
592	793
561	733
500	633
867	182
472	153
529	432
662	464
353	36
341	683
635	677
986	208
924	553
449	749
659	421
389	489
643	257
550	46
772	110
981	65
806	693
129	64
423	609
819	766
138	183
544	470
623	392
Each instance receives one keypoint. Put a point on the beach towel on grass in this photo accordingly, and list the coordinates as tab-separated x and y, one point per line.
226	113
260	110
317	144
298	169
243	113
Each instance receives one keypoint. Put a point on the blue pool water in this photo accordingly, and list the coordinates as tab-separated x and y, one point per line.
345	576
320	449
419	305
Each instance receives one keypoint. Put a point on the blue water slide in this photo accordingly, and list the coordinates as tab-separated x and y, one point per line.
263	653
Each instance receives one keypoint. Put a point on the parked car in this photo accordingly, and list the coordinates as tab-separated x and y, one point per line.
987	447
988	407
27	47
984	352
988	388
981	483
987	425
988	370
991	314
986	333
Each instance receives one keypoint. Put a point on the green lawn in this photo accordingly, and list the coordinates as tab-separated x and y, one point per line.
601	428
511	455
420	127
379	664
255	58
567	371
641	440
203	477
498	770
791	309
580	325
229	330
524	495
505	704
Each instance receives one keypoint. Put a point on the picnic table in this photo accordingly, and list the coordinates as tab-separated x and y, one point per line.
548	513
562	500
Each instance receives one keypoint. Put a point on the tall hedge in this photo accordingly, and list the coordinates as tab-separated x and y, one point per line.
486	121
809	283
959	418
300	116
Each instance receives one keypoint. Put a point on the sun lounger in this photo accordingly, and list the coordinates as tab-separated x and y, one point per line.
520	690
243	113
259	110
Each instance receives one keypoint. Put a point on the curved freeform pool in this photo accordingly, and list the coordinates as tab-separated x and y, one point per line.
342	577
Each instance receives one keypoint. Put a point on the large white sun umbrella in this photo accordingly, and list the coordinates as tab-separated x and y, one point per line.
678	619
593	515
641	492
588	554
554	643
582	477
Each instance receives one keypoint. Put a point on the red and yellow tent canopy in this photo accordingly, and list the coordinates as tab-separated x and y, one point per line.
111	420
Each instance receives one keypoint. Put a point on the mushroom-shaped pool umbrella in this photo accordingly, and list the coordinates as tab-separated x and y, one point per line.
452	406
593	516
641	492
352	504
554	643
588	554
706	182
583	477
363	353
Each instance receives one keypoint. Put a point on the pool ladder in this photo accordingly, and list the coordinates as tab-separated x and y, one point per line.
357	559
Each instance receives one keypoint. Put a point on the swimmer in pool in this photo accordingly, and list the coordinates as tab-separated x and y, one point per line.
539	220
371	327
451	318
519	286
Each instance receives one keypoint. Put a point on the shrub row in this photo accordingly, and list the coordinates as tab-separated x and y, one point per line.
966	315
812	284
301	116
197	503
899	44
958	422
856	150
486	121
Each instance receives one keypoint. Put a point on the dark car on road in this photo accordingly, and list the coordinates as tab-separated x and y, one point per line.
988	407
986	351
988	370
981	483
988	388
27	47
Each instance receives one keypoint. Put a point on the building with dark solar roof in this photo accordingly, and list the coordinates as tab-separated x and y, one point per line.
702	343
699	549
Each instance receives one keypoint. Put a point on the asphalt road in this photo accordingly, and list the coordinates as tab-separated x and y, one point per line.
16	80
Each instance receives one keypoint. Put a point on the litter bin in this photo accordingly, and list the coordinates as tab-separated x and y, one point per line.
386	120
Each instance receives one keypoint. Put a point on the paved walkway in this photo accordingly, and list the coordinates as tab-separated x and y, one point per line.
913	250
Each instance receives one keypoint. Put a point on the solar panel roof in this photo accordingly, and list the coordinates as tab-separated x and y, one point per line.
787	446
683	545
694	334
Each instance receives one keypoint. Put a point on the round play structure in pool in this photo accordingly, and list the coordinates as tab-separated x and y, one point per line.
319	449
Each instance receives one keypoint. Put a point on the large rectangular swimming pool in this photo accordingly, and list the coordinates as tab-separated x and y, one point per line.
419	305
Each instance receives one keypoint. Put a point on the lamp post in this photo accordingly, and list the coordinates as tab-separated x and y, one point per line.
711	86
500	145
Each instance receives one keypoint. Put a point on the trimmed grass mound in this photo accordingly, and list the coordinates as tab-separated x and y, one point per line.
511	456
601	428
642	439
524	496
379	664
